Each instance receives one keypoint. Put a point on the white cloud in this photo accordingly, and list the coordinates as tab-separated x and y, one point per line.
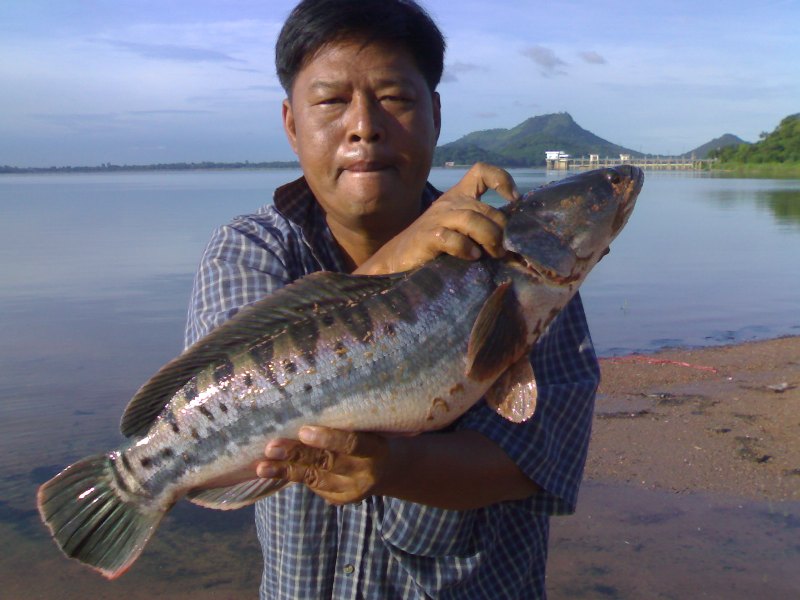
172	52
547	60
453	70
592	58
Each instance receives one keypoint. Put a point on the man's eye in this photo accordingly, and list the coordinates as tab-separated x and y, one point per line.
397	99
332	100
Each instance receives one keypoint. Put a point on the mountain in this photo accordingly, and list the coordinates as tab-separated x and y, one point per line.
716	144
780	146
525	145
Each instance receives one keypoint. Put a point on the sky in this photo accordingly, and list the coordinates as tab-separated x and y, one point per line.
87	82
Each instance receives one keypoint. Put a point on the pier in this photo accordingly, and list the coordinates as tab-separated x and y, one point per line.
560	161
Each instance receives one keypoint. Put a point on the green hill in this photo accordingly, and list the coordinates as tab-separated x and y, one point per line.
716	144
525	145
782	146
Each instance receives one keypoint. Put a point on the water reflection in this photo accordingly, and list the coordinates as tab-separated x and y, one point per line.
781	198
784	204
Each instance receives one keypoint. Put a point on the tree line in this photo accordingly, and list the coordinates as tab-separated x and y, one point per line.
780	146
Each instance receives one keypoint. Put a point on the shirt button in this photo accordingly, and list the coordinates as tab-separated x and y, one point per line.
349	569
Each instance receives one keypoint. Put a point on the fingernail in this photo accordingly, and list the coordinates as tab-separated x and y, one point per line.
475	253
266	471
308	435
275	453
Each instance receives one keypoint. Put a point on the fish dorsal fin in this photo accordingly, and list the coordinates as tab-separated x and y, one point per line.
236	496
498	335
306	298
513	395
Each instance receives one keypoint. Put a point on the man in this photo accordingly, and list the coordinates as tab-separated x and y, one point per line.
461	513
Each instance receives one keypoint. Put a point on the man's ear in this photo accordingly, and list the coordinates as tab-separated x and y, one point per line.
289	124
437	113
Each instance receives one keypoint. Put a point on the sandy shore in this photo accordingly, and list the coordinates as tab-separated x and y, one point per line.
724	419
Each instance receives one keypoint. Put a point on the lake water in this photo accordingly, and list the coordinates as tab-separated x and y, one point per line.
95	273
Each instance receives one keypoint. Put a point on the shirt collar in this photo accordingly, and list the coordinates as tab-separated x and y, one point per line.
296	202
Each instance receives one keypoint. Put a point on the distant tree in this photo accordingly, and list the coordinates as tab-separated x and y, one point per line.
780	146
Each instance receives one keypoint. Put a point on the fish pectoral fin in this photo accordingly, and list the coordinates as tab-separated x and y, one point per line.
513	395
236	496
498	335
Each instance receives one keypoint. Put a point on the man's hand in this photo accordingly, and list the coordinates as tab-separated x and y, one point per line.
456	470
458	223
339	466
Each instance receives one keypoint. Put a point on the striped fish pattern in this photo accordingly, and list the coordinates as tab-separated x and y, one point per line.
402	353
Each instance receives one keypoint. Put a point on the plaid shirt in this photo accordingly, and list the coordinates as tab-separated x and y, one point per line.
383	547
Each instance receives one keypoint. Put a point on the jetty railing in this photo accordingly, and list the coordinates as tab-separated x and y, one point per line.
663	163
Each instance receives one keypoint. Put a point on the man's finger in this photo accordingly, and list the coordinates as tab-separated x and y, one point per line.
482	177
480	229
491	213
333	487
316	458
454	243
311	475
352	443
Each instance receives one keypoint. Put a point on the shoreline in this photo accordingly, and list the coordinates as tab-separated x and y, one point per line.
720	419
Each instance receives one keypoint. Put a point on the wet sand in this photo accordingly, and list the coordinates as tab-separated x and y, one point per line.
693	479
721	420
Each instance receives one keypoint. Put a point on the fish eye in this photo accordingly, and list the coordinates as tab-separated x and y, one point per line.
613	176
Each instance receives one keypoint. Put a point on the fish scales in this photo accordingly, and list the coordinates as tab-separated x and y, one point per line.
403	353
376	379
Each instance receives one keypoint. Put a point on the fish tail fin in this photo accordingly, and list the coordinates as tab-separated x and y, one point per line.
91	520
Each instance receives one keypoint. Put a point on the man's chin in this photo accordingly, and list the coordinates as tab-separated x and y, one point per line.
369	180
381	208
370	189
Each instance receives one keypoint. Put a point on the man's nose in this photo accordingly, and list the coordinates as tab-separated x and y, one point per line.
365	121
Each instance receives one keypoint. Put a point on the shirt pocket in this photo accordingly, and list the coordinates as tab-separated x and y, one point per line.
433	532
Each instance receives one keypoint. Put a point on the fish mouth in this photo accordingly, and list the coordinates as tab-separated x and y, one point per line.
540	272
629	194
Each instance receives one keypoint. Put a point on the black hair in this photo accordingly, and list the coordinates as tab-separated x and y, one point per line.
314	23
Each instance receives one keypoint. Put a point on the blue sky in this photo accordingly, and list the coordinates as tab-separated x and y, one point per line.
85	82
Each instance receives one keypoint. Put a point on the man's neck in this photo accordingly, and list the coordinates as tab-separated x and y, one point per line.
357	245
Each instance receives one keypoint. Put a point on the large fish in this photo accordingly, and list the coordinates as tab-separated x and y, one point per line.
401	353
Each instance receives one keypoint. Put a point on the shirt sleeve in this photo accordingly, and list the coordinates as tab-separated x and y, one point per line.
244	262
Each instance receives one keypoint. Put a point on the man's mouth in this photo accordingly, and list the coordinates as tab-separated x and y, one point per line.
367	166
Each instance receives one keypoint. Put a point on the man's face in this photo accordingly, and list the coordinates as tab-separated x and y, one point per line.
364	125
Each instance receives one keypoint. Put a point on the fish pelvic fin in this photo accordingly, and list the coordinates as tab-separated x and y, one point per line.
513	396
89	519
236	496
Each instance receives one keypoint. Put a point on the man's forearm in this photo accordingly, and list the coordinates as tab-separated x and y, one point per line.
455	470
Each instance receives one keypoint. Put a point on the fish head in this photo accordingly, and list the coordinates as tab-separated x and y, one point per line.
560	230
